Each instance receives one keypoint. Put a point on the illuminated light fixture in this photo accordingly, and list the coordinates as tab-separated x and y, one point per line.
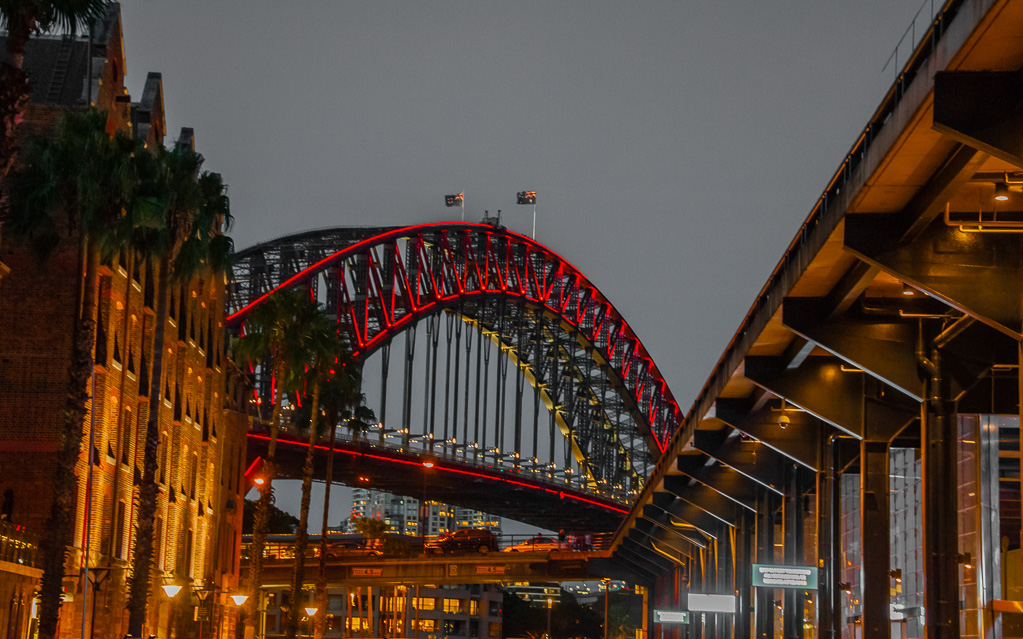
311	611
908	290
171	589
966	559
239	599
1001	191
896	575
428	464
259	481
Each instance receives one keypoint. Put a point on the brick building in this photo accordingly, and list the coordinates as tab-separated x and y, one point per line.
202	447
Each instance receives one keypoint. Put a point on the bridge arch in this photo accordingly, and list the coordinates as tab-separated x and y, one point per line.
583	360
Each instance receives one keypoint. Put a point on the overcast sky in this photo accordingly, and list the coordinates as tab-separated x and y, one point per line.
675	146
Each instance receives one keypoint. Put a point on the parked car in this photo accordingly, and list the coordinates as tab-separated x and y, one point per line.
539	543
355	548
462	540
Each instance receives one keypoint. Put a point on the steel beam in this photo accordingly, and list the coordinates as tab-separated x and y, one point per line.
735	486
798	439
703	497
683	513
881	345
755	461
979	274
821	387
983	109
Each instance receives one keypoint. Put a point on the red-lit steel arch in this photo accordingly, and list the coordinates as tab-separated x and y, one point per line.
387	281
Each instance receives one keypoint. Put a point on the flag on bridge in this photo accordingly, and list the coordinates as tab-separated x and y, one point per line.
454	200
526	197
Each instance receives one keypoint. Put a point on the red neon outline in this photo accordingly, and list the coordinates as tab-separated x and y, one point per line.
569	292
255	461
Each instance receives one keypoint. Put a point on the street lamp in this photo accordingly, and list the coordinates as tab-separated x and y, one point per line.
202	593
310	612
171	589
550	605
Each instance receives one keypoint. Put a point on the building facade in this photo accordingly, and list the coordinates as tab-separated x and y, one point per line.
202	443
409	516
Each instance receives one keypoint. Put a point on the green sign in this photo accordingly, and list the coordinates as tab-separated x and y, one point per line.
671	616
798	577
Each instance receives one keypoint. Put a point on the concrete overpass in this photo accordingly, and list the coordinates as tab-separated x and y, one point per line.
864	419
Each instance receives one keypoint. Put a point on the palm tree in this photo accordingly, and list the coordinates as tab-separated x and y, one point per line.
86	181
271	340
22	18
327	365
343	401
188	243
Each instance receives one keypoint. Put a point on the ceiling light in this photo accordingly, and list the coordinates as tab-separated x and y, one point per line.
1001	191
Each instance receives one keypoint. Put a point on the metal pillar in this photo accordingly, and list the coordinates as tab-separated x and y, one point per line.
828	547
793	547
875	541
941	583
764	603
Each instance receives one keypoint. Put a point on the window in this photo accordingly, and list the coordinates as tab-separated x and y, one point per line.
119	531
126	438
158	542
494	629
193	474
474	607
164	454
453	606
188	552
424	603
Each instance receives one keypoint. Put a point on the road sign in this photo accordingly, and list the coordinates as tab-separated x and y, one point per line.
671	616
799	577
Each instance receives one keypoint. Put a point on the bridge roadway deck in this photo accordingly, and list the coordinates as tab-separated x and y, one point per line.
499	567
515	493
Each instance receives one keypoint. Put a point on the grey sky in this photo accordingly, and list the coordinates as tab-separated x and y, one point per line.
675	146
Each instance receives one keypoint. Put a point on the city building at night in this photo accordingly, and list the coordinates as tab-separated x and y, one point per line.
201	452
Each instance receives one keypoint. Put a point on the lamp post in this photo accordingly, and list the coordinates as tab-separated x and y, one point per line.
607	597
171	590
550	605
309	613
202	593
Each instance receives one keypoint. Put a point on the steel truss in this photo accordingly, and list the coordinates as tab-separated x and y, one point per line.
603	393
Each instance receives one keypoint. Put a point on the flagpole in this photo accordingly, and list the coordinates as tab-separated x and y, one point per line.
463	206
534	221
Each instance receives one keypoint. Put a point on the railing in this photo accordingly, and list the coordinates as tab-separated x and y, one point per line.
17	545
503	465
278	551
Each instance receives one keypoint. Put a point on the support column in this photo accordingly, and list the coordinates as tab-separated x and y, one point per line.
875	541
764	603
828	548
742	576
793	527
941	574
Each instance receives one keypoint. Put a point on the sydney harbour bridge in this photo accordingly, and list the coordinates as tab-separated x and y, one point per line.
862	426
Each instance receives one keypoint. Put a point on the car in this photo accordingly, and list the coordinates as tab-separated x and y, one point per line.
462	540
538	543
355	548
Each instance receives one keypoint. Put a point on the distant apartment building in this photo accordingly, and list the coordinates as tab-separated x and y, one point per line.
403	514
419	612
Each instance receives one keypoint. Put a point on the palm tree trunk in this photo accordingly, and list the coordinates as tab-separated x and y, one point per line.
302	534
260	518
14	88
61	523
142	568
320	629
